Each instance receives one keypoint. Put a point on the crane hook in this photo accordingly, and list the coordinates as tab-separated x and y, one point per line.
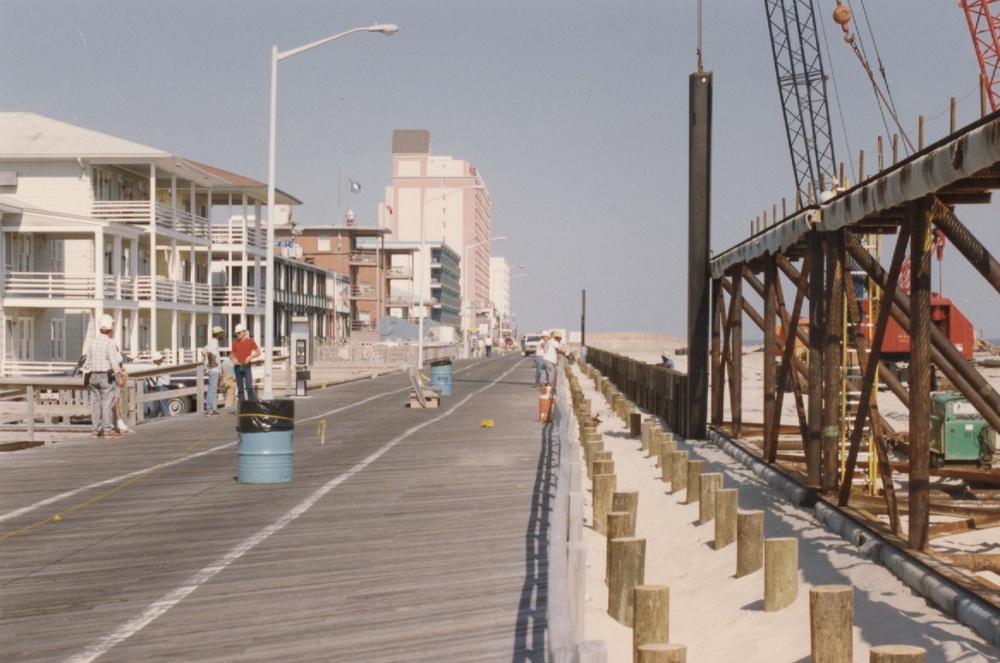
842	16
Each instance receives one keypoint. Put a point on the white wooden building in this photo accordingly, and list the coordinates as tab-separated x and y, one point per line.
94	224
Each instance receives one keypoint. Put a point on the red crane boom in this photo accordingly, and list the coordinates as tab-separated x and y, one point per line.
984	24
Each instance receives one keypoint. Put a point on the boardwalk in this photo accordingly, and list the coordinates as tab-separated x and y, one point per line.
405	535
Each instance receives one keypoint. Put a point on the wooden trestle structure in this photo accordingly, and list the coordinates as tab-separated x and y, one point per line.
821	251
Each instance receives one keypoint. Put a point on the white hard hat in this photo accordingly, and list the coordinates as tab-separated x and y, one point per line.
240	327
107	322
156	356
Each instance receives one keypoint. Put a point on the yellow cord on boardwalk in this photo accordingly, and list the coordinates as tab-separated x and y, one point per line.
321	431
486	423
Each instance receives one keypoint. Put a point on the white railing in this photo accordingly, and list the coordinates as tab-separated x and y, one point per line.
161	289
235	296
363	291
237	235
362	258
140	212
49	285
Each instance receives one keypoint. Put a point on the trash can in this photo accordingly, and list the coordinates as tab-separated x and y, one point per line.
441	376
265	448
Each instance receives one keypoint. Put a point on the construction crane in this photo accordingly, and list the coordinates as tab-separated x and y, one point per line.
798	66
984	24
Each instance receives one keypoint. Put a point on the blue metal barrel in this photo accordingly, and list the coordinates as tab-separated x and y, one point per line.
441	376
265	457
265	449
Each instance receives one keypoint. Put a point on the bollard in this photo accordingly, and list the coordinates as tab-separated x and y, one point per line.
619	527
678	474
604	466
710	483
831	615
667	448
781	573
726	507
628	501
749	542
663	653
897	654
627	569
695	468
634	424
651	620
604	486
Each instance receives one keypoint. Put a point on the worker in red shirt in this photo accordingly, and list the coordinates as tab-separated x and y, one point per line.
244	351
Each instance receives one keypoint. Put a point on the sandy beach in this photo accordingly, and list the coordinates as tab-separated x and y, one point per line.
721	618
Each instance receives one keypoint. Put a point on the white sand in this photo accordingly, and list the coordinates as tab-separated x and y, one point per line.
721	618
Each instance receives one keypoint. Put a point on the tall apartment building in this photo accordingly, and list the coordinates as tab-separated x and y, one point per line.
442	200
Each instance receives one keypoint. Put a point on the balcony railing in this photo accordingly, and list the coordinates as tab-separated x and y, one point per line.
399	300
48	285
363	258
399	273
237	235
168	290
139	213
238	296
363	291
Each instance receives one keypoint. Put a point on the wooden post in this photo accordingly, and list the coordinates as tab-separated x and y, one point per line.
660	653
726	507
627	500
592	447
749	542
604	466
678	474
710	483
619	527
647	427
831	615
667	447
897	654
627	569
781	573
652	617
634	424
604	486
654	449
695	468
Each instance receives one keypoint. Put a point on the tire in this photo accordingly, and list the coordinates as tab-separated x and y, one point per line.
179	405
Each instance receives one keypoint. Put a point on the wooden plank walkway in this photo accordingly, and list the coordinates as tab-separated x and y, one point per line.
409	535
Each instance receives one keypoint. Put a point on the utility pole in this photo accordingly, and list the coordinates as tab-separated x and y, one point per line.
583	320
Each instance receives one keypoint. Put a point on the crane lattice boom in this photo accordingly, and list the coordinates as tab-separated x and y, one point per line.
984	24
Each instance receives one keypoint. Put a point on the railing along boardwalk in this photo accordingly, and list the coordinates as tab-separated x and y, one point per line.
405	534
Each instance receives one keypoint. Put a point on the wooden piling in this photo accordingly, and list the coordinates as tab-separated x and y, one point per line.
660	653
726	508
749	542
604	487
626	570
781	573
678	472
695	468
897	654
831	616
667	448
651	617
710	483
628	501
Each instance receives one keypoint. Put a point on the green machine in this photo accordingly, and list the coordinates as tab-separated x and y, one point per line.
958	431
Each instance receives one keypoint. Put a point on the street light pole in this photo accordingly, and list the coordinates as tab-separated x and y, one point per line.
276	56
425	267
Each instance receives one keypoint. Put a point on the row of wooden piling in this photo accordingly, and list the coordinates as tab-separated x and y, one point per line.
645	608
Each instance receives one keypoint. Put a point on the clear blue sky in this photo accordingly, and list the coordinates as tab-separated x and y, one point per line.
575	113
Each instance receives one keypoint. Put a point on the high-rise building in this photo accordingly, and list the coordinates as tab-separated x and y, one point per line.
444	200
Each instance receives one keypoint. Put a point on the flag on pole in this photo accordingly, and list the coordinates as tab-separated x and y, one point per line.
354	187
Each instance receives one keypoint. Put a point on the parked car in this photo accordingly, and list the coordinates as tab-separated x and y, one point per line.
530	343
175	404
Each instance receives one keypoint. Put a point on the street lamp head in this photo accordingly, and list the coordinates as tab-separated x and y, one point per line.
388	29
